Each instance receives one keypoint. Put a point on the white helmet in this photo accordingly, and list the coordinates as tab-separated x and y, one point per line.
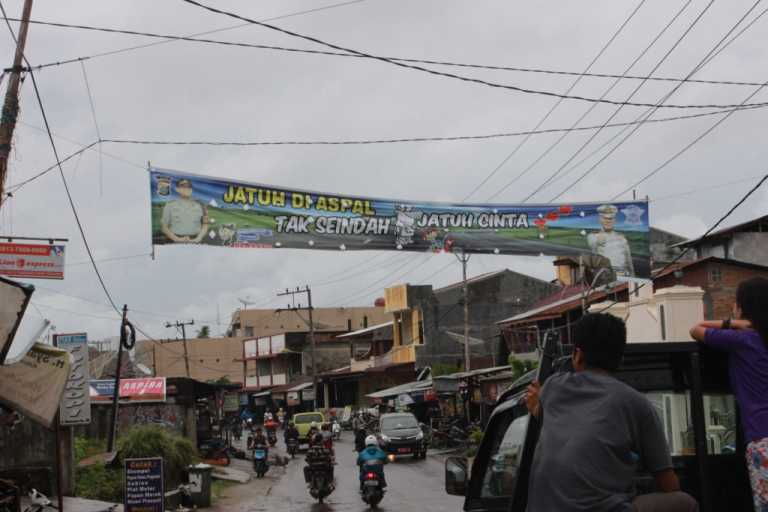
371	441
313	424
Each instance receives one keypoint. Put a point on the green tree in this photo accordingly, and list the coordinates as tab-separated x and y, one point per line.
521	367
204	332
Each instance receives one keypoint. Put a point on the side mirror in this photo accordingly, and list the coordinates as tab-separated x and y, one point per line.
456	476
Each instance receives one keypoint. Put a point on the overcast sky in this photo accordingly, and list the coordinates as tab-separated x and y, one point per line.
185	91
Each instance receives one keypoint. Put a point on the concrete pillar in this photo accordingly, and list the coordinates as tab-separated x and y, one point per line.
190	424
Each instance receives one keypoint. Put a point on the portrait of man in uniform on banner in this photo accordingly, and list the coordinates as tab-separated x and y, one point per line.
610	243
184	220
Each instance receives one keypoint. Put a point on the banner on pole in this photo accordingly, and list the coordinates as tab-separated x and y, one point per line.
32	261
193	209
75	408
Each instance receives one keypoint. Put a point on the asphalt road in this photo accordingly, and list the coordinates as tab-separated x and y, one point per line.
414	485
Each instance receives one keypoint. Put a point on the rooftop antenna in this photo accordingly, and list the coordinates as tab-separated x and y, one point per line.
246	302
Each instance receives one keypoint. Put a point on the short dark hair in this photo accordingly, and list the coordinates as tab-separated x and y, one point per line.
602	338
752	298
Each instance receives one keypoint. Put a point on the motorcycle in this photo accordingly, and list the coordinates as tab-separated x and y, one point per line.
318	473
373	488
271	437
292	446
336	430
260	464
320	482
216	452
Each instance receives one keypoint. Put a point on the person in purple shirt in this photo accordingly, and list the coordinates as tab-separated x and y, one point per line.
745	339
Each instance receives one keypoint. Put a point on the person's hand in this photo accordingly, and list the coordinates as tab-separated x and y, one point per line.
532	398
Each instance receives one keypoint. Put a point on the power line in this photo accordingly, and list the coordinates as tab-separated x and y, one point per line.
444	74
61	173
558	102
710	230
688	146
15	187
347	142
716	50
193	39
95	124
704	189
592	107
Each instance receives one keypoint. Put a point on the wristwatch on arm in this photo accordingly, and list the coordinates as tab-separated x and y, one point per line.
727	323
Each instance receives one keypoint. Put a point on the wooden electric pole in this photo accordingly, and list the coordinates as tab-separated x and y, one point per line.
11	104
310	323
182	326
463	258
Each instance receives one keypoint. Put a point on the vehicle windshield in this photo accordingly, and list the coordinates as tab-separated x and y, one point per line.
308	418
399	423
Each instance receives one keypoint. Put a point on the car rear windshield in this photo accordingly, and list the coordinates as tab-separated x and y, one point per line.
398	422
308	418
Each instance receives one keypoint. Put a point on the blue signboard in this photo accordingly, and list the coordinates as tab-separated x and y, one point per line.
144	485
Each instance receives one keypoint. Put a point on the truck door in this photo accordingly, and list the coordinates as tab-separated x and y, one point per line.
495	472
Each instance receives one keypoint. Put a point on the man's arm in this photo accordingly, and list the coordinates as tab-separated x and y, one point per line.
203	227
628	255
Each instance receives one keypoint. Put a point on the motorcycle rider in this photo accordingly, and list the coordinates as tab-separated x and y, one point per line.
360	436
372	458
312	431
317	455
291	432
258	439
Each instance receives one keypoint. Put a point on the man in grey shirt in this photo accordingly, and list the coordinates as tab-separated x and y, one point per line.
597	432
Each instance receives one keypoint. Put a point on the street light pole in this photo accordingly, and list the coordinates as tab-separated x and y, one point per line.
463	257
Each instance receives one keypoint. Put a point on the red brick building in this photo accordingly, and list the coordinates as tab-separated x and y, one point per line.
718	277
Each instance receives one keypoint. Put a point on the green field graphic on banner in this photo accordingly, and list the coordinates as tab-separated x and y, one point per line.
194	209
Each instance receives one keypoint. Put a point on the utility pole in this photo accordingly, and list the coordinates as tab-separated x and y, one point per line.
311	323
463	257
182	326
11	104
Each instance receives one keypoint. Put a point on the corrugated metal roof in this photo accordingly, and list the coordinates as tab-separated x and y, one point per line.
366	330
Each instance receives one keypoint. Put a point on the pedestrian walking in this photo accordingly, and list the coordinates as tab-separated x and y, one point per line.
745	338
595	429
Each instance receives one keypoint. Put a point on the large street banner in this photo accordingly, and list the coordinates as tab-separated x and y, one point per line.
194	209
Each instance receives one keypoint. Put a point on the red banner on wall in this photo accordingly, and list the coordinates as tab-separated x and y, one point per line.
151	389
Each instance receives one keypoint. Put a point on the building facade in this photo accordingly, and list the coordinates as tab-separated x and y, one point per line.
429	324
717	277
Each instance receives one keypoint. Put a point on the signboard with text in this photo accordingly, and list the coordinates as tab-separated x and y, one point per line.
76	400
151	389
32	261
144	485
201	210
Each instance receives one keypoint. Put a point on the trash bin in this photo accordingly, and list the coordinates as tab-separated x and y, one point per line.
200	477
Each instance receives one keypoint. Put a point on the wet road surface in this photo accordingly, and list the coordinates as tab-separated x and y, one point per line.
414	485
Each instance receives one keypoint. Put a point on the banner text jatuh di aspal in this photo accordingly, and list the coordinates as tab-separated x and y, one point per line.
193	209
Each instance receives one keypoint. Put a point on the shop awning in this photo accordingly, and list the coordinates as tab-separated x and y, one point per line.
261	394
410	387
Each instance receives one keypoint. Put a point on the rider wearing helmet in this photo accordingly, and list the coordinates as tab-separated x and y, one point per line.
291	432
372	458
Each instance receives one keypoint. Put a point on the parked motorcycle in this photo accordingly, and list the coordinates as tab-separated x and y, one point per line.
260	463
372	486
216	452
292	446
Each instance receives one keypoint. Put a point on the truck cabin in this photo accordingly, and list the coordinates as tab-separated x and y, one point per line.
689	386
